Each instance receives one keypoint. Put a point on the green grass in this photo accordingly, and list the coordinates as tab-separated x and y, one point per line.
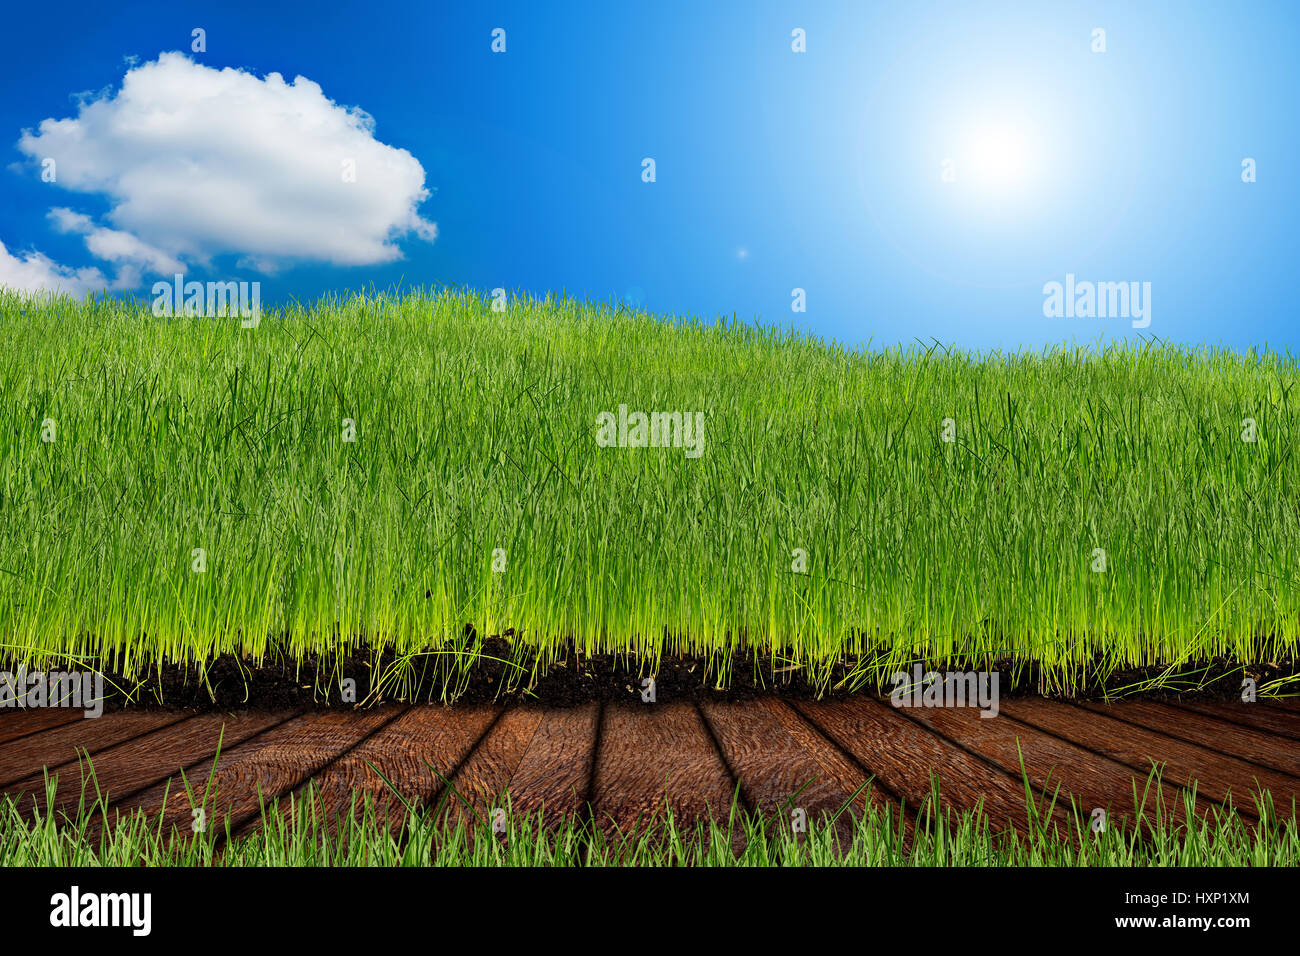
300	836
476	431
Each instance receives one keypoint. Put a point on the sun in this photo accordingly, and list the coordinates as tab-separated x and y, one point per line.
1001	157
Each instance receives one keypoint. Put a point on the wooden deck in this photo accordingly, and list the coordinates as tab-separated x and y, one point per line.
617	764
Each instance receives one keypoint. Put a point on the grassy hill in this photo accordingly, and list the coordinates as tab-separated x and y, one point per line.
390	469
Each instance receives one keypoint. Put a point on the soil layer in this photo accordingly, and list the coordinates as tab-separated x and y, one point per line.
366	678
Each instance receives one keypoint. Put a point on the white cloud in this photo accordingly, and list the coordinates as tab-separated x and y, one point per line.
197	162
35	272
113	245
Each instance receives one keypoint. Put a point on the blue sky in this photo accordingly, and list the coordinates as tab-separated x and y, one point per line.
774	170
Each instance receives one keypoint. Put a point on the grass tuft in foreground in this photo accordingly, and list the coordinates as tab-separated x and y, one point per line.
172	489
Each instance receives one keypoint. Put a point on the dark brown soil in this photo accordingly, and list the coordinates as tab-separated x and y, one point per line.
313	682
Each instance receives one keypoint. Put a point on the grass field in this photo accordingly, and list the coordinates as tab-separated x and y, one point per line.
476	491
298	835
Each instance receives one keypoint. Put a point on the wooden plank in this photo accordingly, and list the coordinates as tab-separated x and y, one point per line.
27	756
425	736
272	763
627	764
904	756
555	773
141	762
23	723
653	758
1215	775
1213	733
486	774
1056	767
1271	720
776	754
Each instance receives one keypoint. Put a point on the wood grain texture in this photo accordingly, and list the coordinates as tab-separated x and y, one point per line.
1272	720
1215	775
1212	733
905	757
22	723
1057	768
485	776
655	757
28	756
262	769
555	772
407	751
776	754
124	769
623	763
